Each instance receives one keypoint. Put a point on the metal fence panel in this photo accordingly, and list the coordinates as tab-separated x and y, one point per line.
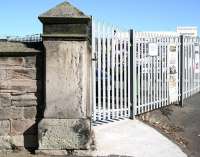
110	68
123	70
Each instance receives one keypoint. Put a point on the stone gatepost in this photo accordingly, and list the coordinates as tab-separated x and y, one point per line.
67	118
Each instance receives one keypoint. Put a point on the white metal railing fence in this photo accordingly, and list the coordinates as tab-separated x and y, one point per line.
191	72
26	39
136	72
110	72
158	76
152	87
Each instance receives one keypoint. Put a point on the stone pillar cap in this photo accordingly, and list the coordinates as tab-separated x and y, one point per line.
64	13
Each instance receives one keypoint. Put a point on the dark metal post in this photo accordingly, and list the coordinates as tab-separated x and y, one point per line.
132	75
181	71
131	72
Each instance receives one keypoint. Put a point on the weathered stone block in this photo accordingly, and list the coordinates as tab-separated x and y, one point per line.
5	100
21	73
24	103
16	113
64	134
25	126
26	96
67	81
19	86
30	112
10	142
3	74
28	62
4	127
5	113
5	142
11	113
26	99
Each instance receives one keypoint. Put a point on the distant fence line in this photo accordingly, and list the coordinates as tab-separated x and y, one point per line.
26	38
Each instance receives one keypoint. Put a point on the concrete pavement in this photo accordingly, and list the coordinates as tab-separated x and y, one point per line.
133	138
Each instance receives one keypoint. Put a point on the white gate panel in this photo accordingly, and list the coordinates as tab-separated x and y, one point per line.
111	81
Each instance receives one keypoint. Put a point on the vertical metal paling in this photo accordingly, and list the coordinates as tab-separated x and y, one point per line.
164	71
145	54
193	68
104	72
121	74
162	81
179	64
165	61
159	71
139	72
181	70
125	77
184	69
117	76
128	80
177	84
167	74
129	75
192	81
108	73
113	74
148	78
151	63
99	73
142	70
94	71
187	67
157	83
190	64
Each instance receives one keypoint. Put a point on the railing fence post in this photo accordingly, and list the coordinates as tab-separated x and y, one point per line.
181	72
132	74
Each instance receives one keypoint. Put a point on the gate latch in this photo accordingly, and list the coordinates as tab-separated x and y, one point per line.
94	57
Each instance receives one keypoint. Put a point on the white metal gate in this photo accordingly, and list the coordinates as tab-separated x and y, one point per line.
110	72
136	72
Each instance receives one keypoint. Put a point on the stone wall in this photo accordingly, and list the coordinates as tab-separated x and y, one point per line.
21	93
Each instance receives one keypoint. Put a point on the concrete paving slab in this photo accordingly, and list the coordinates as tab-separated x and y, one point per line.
133	138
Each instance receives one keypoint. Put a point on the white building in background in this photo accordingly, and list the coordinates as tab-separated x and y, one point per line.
182	30
188	31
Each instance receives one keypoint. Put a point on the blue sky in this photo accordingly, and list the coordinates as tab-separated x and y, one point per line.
19	17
